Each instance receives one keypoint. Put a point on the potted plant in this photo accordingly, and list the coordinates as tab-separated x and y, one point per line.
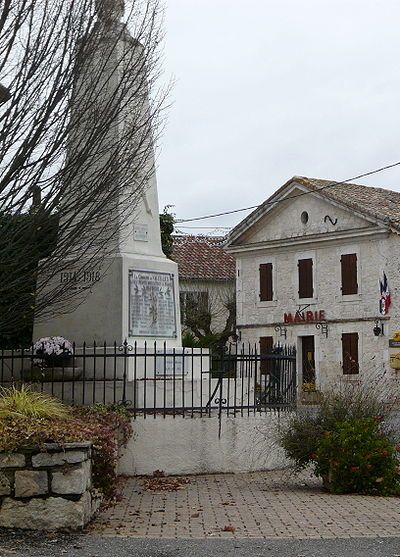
310	394
52	360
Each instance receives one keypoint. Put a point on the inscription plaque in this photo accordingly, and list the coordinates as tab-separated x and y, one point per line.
151	304
141	232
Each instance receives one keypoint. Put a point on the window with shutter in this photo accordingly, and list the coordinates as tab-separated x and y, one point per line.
266	346
350	353
306	282
266	290
349	274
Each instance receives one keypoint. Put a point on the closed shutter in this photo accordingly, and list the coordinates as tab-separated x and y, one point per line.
349	274
306	283
350	353
266	291
266	346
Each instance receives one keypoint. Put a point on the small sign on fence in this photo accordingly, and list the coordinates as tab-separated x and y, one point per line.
170	364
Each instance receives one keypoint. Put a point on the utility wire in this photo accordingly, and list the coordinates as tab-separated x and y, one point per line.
370	173
207	227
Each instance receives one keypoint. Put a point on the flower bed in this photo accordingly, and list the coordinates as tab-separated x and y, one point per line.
33	423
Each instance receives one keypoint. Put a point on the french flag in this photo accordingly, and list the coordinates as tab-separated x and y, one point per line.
385	300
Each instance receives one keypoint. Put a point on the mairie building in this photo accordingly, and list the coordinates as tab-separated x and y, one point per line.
318	268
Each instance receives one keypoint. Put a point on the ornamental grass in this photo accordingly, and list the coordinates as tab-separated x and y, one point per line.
25	402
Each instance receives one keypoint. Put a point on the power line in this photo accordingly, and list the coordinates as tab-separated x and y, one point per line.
207	227
370	173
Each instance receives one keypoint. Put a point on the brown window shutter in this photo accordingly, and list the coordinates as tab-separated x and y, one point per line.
306	283
266	292
266	346
349	274
350	353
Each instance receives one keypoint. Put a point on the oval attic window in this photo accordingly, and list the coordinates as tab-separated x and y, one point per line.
304	217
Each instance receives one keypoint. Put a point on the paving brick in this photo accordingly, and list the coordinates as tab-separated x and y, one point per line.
269	505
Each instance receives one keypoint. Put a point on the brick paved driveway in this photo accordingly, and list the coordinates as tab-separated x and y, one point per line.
272	505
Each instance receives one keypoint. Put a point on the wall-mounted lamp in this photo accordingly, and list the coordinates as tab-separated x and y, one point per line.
281	330
323	327
378	329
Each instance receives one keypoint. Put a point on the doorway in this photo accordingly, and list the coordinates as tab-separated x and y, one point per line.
308	359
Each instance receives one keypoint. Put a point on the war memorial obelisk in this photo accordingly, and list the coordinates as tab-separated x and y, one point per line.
133	295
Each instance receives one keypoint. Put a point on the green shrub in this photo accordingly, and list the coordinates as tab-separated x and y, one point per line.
299	438
338	435
355	457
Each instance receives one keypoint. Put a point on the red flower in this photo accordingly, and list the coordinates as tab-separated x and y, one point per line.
354	468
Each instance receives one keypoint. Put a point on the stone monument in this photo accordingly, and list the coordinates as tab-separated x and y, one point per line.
134	294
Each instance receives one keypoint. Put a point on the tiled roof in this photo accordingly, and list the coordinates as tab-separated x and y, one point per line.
378	203
202	258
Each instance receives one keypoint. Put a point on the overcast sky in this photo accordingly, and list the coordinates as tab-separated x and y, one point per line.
269	89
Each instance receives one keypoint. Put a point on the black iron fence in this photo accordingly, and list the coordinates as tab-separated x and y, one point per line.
155	380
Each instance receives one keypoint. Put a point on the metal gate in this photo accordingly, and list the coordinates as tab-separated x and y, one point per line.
277	378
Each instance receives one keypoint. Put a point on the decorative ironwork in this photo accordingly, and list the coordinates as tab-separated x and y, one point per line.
277	386
125	347
153	379
333	222
281	330
323	327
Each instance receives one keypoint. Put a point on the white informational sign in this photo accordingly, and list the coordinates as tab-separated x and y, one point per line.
170	363
152	310
141	232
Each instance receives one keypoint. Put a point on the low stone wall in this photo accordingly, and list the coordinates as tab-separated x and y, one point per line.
48	490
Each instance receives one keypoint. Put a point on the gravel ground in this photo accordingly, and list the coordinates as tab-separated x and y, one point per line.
18	544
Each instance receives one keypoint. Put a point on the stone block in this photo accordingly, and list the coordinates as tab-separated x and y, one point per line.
96	501
12	460
72	482
53	513
58	459
29	483
5	484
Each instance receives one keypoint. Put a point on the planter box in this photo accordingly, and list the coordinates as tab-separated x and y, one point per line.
311	397
47	490
52	374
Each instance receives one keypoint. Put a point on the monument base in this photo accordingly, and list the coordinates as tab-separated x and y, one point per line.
132	297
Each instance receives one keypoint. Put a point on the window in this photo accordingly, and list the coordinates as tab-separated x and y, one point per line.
194	306
266	346
350	353
306	283
266	290
304	217
349	274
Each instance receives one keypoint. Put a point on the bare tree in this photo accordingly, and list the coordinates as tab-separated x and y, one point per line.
209	313
76	141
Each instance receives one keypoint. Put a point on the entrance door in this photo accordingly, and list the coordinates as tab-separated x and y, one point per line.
308	359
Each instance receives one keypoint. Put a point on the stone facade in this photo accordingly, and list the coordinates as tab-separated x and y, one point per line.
322	228
47	490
